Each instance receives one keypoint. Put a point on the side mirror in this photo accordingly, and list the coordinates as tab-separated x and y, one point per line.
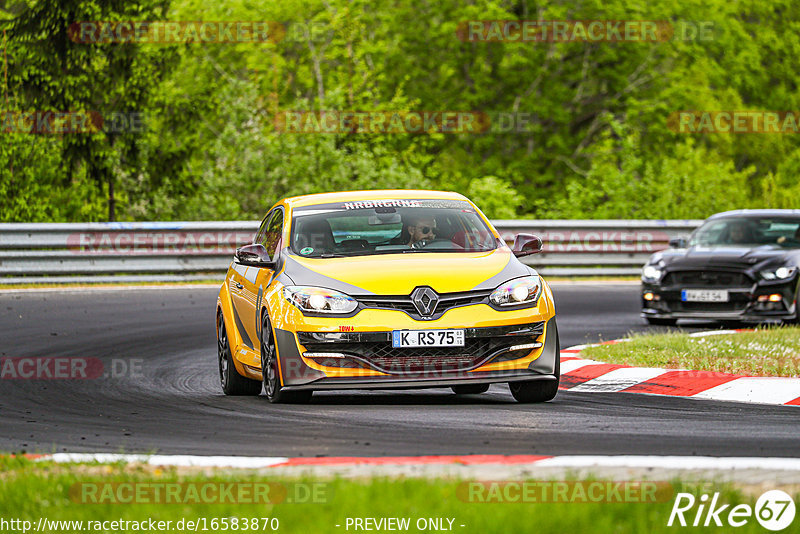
526	244
254	256
678	242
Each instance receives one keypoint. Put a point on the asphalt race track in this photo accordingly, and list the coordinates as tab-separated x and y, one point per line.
171	401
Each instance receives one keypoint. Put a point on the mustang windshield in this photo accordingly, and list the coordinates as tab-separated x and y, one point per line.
748	232
389	227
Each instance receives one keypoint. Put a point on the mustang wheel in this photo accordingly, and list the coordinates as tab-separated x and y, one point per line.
232	382
796	319
470	389
269	370
538	390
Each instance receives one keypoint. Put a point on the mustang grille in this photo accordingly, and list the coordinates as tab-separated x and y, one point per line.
707	279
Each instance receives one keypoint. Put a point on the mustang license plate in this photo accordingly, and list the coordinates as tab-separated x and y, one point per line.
704	295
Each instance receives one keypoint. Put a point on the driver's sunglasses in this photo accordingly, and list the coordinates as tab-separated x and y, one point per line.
427	229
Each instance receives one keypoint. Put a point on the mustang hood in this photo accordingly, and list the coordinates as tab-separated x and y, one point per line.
720	256
399	274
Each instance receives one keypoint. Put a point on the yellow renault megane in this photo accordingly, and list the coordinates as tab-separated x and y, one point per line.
384	289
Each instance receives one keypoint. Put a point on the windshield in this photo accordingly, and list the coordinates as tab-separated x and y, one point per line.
748	232
389	227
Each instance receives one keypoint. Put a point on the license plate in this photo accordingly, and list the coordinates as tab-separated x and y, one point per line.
704	295
427	338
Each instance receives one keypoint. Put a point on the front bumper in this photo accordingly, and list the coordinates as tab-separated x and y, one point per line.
746	304
365	360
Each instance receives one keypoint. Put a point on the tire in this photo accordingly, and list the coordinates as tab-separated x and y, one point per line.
655	321
232	382
796	320
270	373
470	389
531	391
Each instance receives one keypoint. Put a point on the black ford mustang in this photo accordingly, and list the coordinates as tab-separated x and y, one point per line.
738	266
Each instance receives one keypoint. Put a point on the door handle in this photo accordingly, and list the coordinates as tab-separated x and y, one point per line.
238	285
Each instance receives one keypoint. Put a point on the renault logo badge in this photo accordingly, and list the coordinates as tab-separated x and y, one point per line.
425	300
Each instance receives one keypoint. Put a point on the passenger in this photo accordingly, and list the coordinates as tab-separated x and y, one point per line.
792	241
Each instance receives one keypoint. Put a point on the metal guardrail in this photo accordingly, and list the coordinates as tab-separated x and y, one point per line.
170	251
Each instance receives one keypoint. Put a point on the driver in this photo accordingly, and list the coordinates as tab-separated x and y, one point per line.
740	233
420	229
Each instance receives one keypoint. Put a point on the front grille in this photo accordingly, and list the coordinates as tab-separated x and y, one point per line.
373	350
707	279
404	303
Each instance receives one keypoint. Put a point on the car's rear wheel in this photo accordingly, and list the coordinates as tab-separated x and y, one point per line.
232	382
538	390
656	321
470	389
270	372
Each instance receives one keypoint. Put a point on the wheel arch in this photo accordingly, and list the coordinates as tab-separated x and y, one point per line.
225	308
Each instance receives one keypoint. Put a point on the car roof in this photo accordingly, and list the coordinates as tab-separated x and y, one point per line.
384	194
756	213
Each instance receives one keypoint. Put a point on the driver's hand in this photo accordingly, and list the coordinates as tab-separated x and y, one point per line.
782	239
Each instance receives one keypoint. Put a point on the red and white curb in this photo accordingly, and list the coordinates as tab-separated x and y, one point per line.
577	462
582	375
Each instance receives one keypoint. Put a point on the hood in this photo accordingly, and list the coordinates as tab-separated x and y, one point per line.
722	256
399	274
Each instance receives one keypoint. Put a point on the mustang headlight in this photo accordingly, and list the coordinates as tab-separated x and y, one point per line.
651	272
319	300
781	273
516	292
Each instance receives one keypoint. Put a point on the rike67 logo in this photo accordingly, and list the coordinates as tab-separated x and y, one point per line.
774	510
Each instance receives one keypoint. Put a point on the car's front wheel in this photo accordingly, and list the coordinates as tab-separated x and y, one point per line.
232	382
796	320
538	390
270	372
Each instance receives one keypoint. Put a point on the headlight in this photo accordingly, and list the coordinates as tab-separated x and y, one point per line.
781	273
516	292
319	300
651	272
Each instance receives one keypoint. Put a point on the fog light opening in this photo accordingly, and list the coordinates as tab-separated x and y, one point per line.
528	346
324	355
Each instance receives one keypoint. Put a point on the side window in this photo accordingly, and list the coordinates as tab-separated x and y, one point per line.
259	238
271	238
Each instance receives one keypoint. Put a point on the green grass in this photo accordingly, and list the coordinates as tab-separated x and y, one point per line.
766	352
31	490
